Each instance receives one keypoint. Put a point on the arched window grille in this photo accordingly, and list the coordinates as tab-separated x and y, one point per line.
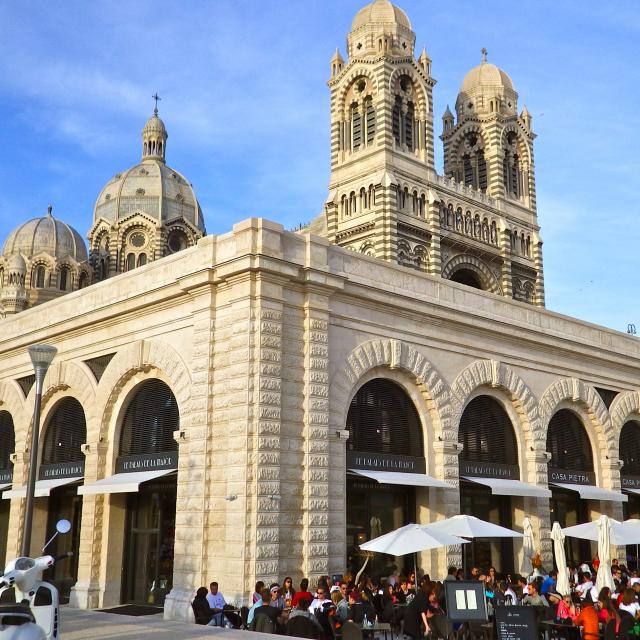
7	441
630	448
482	171
131	262
39	276
356	127
486	433
83	281
568	443
383	419
149	421
64	279
370	114
142	259
408	126
66	432
396	118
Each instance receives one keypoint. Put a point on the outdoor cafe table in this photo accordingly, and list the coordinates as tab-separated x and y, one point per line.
384	627
557	630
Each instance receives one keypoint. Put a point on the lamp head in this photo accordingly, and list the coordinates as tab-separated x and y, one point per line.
41	357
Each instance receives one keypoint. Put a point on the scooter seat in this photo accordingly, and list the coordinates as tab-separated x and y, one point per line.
15	613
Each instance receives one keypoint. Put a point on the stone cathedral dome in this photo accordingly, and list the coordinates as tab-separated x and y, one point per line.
380	12
46	235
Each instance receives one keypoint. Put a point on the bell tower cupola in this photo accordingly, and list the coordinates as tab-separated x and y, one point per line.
154	136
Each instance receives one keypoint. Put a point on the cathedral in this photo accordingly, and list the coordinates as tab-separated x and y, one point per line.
259	403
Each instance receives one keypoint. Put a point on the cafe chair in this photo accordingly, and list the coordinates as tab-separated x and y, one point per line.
626	626
610	630
301	627
351	631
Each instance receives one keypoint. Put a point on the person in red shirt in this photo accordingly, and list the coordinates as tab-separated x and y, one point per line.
303	594
588	620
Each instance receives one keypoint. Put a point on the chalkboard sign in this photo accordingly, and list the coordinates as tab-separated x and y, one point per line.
516	623
466	601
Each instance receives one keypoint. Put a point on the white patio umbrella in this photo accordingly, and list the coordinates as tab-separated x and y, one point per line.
528	547
410	539
621	533
562	583
472	527
604	577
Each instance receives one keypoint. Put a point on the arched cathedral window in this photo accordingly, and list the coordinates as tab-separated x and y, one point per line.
356	127
511	167
39	277
472	166
370	114
396	117
408	126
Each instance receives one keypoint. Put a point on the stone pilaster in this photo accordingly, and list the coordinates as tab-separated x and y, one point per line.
316	435
195	541
434	266
86	593
20	461
537	509
505	253
537	262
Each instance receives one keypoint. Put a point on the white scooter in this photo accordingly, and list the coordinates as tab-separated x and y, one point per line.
35	615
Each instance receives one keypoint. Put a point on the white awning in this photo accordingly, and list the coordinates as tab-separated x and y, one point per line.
589	492
43	488
122	482
629	490
406	479
505	487
4	486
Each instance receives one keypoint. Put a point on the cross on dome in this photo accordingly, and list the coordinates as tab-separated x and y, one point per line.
484	53
156	97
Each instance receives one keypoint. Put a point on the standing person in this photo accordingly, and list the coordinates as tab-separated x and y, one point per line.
216	602
588	620
304	593
417	614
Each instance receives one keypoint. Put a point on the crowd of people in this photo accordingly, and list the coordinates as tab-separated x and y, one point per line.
420	607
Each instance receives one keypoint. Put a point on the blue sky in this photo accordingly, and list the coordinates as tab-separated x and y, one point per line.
245	101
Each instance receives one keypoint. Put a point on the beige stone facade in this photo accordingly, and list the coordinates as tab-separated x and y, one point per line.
265	336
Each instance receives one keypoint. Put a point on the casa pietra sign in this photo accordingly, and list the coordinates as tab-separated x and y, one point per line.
385	462
149	462
628	482
6	476
569	476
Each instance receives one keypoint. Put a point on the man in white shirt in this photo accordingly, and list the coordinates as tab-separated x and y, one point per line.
585	586
216	602
319	600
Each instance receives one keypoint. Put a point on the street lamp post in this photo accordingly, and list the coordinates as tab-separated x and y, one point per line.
41	357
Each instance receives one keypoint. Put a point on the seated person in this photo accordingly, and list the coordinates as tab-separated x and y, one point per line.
304	593
534	598
201	609
302	610
359	608
588	620
319	601
266	610
216	602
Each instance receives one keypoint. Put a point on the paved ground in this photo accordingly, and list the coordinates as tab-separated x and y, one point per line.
79	624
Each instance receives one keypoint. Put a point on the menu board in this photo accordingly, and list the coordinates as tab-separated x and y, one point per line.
466	601
516	623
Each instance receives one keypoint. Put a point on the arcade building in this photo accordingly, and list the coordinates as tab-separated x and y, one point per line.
257	404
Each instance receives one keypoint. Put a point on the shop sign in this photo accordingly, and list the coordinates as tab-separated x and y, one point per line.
384	462
628	482
6	475
61	470
572	477
489	470
148	462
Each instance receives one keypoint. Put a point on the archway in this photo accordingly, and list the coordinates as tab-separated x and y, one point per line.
467	277
630	479
489	450
7	447
385	434
570	465
61	469
146	442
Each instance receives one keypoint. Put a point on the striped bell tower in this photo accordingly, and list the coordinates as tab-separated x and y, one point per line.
381	139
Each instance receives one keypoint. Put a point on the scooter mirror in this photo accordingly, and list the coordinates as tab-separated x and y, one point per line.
63	526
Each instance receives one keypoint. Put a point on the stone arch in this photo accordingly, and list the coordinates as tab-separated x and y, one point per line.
574	393
421	95
394	354
72	379
523	147
11	400
513	392
625	406
348	81
476	265
143	356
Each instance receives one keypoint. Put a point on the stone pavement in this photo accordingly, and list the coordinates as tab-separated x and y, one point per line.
80	624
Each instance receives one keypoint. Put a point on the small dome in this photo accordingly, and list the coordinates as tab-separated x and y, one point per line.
486	75
16	263
380	12
46	235
154	125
